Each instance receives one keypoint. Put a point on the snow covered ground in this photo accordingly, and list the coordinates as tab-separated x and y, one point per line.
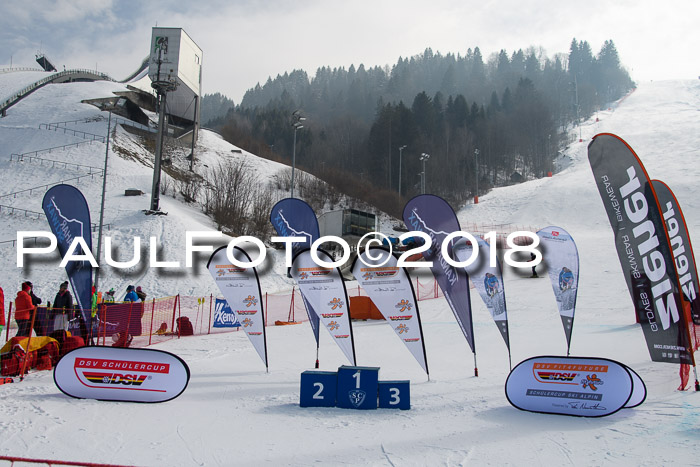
233	413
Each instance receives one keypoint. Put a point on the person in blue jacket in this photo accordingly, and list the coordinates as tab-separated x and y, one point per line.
131	295
491	284
566	279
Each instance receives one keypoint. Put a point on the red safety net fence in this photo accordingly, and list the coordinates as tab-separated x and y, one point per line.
694	331
140	324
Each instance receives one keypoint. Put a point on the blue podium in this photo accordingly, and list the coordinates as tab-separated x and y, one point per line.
318	388
395	395
357	387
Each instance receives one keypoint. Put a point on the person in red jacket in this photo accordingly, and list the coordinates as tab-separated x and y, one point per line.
2	310
23	311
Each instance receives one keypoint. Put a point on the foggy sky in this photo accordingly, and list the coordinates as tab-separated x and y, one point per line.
245	42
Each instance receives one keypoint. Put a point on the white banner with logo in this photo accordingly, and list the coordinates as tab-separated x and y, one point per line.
241	289
389	287
561	257
324	290
585	387
488	280
121	374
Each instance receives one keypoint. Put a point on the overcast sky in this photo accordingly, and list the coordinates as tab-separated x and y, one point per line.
245	41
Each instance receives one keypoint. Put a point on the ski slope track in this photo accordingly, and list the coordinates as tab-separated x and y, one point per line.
234	413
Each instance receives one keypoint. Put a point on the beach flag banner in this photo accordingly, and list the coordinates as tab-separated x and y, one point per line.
68	215
240	286
681	246
684	260
434	216
561	258
324	289
643	247
292	217
390	289
487	280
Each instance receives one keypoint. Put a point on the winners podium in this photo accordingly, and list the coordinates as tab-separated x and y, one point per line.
353	387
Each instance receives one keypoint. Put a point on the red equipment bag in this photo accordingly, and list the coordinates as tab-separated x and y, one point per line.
70	343
184	326
13	354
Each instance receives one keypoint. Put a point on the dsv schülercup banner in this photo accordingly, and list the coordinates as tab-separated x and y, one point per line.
69	218
324	290
121	374
488	280
585	387
241	289
642	246
561	258
390	288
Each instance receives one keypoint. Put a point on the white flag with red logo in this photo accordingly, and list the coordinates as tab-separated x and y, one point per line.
324	290
561	258
240	287
390	288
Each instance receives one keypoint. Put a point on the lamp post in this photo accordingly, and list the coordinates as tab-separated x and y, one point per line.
578	108
401	148
423	157
296	123
102	204
476	162
162	86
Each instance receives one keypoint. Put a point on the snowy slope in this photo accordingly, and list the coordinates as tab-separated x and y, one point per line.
20	134
233	413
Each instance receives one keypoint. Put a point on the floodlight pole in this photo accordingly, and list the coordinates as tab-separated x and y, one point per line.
162	87
194	133
476	163
423	157
155	189
401	148
102	205
296	123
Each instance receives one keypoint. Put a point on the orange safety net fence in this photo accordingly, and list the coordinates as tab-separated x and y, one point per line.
140	324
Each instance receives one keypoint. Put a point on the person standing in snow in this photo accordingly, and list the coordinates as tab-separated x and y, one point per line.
62	307
141	294
130	326
532	258
130	294
109	296
40	319
24	308
2	310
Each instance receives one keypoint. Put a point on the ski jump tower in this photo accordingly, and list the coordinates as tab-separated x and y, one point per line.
175	69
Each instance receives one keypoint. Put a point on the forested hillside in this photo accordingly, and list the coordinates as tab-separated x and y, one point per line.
487	121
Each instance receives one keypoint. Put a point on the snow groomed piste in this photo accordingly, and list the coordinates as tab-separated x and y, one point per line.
324	292
468	417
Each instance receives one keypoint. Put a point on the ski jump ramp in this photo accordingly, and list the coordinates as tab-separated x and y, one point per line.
45	78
